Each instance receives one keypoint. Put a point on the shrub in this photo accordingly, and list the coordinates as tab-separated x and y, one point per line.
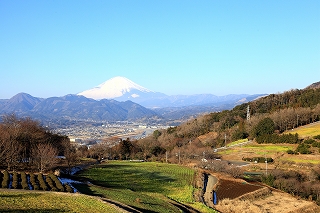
15	180
269	179
317	137
68	188
42	183
316	144
57	182
258	159
5	179
24	181
51	184
303	149
33	181
309	141
291	152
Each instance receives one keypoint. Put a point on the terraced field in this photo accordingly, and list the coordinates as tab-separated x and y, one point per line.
233	189
13	200
144	186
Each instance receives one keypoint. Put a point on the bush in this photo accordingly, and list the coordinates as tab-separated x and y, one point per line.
258	159
291	152
51	184
57	182
316	144
275	139
15	180
317	137
5	179
309	141
42	183
68	188
303	149
24	181
33	181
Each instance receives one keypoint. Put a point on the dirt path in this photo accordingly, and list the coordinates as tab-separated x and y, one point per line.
208	195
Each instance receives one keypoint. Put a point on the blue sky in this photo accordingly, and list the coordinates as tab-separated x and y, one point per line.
53	48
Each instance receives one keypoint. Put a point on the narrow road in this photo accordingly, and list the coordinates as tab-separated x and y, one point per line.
208	195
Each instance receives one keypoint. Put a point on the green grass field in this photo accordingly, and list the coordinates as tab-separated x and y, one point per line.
307	130
268	148
146	186
237	142
37	201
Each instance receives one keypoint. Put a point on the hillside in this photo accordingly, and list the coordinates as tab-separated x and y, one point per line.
314	86
36	201
73	107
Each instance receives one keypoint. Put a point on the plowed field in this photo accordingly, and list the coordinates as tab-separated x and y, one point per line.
233	189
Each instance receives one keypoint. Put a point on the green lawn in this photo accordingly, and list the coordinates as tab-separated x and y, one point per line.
37	201
145	185
307	130
237	142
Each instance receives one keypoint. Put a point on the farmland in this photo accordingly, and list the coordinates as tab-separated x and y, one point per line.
307	130
149	186
37	201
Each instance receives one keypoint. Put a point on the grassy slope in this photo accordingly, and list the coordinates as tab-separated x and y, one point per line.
277	151
144	186
37	201
309	130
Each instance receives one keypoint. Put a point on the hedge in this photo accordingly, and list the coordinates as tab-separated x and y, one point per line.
5	180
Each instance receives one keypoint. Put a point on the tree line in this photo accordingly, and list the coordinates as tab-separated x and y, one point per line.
196	138
26	145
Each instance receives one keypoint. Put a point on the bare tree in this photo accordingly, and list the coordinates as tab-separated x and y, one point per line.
45	155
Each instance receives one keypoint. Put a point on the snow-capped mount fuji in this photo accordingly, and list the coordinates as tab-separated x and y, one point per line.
120	89
123	89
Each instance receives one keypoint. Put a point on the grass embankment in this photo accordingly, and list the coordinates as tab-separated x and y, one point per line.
276	151
146	186
37	201
309	130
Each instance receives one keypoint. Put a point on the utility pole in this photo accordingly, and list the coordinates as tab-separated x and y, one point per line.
266	164
225	140
248	113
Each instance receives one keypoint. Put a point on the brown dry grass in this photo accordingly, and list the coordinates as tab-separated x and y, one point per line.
275	202
264	200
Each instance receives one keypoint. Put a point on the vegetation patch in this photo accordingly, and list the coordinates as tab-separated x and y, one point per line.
144	185
307	130
33	181
36	201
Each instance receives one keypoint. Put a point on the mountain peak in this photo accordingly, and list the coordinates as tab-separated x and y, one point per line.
113	88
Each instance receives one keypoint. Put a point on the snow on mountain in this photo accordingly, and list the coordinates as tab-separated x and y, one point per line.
123	89
114	88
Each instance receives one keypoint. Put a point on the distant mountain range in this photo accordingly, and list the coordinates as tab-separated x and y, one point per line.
123	89
74	107
120	99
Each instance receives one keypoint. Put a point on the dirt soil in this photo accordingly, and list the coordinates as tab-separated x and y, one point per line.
235	190
279	202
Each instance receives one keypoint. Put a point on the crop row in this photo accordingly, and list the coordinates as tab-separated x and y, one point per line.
33	181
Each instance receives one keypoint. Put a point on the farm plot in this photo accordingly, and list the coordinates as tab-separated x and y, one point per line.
148	186
233	189
32	181
309	130
12	200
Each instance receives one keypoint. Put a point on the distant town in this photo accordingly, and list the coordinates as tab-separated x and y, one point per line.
91	133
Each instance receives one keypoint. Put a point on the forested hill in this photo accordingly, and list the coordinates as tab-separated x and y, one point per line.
286	110
314	85
308	97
